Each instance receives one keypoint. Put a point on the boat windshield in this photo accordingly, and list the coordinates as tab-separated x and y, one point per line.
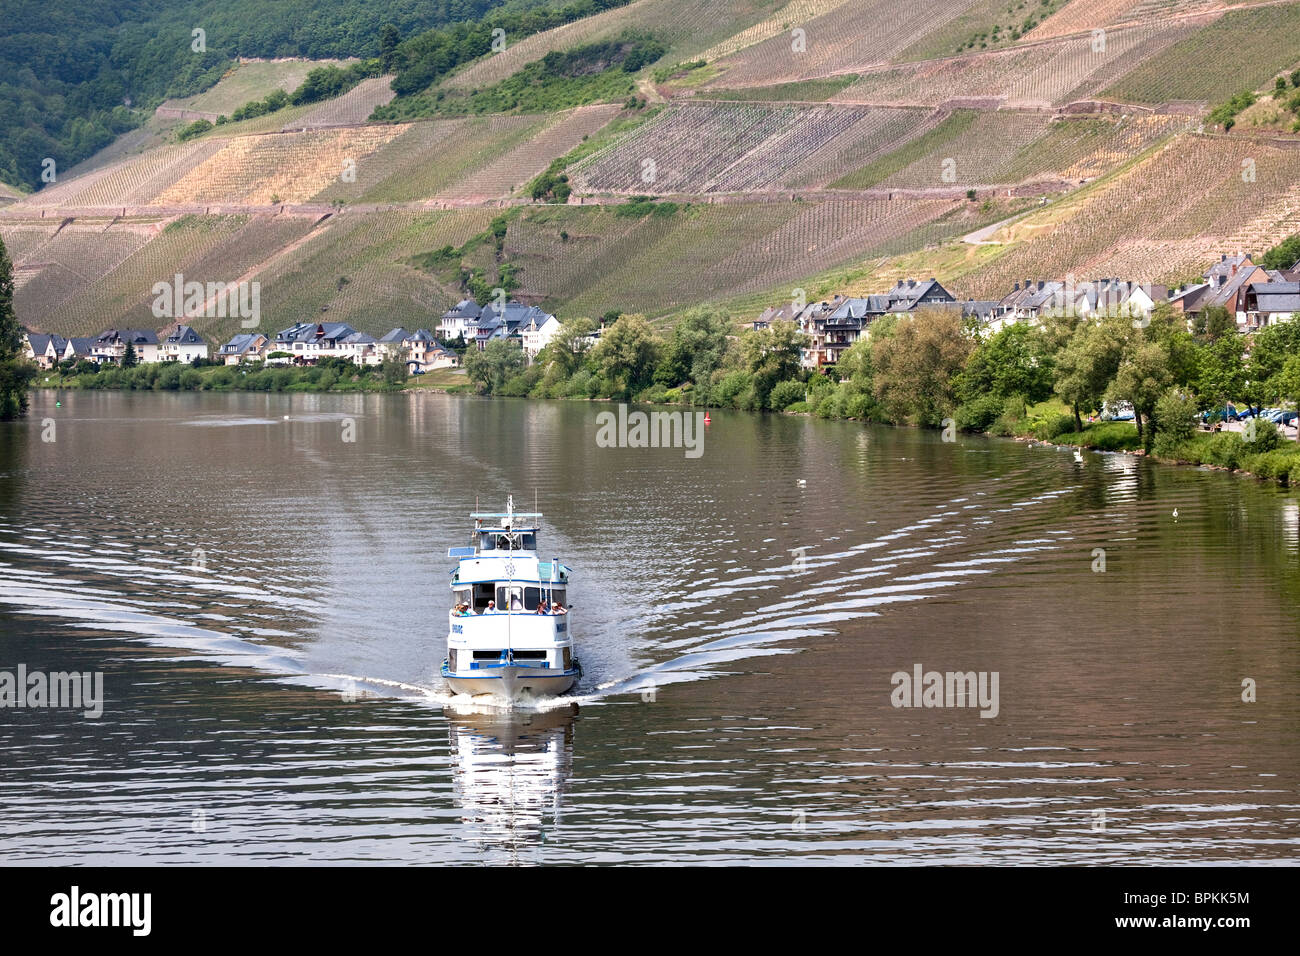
500	539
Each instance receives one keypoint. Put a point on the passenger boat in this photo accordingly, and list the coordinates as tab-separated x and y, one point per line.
510	630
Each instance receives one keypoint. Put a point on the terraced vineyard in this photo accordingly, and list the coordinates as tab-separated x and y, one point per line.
997	22
794	13
281	167
1042	75
511	170
350	109
133	181
74	258
845	40
1080	16
1169	215
735	147
585	261
236	246
249	81
1241	50
968	149
688	26
432	155
357	269
114	291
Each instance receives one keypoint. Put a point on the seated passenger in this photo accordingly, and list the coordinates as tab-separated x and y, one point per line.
541	607
491	606
558	608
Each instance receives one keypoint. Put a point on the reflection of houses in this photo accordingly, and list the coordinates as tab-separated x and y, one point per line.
247	346
185	345
111	346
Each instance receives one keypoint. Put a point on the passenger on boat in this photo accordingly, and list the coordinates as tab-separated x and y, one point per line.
541	607
558	608
491	606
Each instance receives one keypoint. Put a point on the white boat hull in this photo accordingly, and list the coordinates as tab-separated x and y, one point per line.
511	681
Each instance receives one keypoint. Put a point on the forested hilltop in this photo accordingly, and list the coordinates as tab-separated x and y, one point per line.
75	74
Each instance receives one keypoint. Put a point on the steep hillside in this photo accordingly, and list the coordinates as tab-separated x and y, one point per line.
813	143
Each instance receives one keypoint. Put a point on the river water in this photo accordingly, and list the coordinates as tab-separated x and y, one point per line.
262	582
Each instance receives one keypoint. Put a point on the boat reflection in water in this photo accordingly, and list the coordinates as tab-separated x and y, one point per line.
509	774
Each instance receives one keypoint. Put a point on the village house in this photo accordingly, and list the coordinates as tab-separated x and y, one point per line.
508	323
536	336
185	345
1225	286
245	346
111	346
390	345
309	342
853	316
45	350
1267	303
460	321
423	354
80	349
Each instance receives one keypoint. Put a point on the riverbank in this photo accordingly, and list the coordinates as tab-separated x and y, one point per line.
329	375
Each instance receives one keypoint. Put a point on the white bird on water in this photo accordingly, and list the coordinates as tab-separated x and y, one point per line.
1078	456
803	482
1175	512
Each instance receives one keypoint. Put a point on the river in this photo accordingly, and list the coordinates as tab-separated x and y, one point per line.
261	579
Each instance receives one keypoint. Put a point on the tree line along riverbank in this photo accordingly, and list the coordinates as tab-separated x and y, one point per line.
930	370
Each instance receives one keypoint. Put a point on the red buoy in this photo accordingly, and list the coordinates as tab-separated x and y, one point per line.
707	419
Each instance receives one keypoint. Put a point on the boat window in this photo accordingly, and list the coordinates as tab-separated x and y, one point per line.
559	594
531	597
511	597
482	594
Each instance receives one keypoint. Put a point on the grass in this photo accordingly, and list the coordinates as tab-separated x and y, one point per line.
1104	436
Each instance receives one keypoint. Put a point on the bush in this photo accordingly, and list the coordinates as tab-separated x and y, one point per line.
979	414
1175	421
1277	464
1225	450
1053	426
785	394
732	389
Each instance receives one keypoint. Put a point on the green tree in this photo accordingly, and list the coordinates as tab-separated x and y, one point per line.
771	355
16	373
491	368
1221	372
1285	384
129	358
389	38
698	346
1087	363
1014	361
915	367
567	351
626	356
1142	377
